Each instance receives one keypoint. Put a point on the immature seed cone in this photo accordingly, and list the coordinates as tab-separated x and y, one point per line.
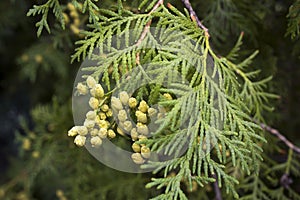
60	194
89	124
109	113
82	130
111	133
66	18
120	131
102	133
91	115
94	132
160	115
74	14
91	82
134	134
35	154
124	97
127	126
98	91
168	96
137	158
73	131
82	89
96	141
38	58
26	144
70	6
94	103
122	115
142	129
80	140
132	102
142	138
145	151
116	103
74	29
141	117
102	115
152	112
104	108
136	147
76	22
143	106
103	123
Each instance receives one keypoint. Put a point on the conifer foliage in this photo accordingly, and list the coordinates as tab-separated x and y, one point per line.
160	87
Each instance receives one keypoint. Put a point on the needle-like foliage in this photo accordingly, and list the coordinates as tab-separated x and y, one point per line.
209	133
214	104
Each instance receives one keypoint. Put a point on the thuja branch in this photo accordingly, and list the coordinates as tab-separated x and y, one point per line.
160	2
194	16
281	137
143	35
146	29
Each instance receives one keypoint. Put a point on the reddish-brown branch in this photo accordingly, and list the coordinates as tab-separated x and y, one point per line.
146	29
280	137
144	33
218	195
194	17
160	2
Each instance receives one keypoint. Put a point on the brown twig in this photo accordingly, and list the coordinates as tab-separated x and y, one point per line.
280	137
146	29
217	189
193	15
143	35
160	2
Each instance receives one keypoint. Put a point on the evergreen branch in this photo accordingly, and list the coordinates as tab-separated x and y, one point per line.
280	137
205	113
160	2
89	6
267	184
143	35
232	55
44	10
193	15
293	16
224	17
146	29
